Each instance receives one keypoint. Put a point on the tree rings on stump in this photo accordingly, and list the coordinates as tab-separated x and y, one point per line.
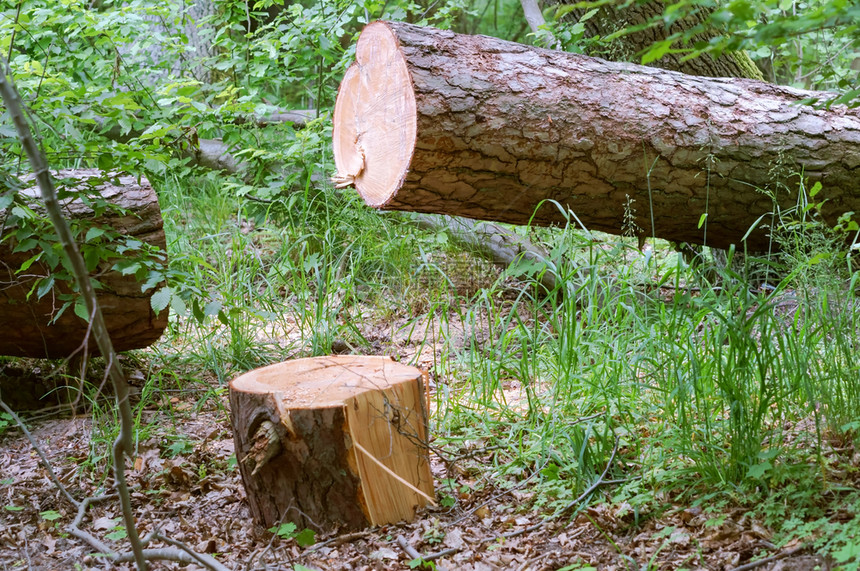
332	442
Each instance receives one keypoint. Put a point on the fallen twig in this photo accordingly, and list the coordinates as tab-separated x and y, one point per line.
74	528
340	540
599	482
413	553
771	559
41	454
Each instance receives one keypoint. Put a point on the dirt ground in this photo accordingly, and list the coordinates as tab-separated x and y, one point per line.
186	485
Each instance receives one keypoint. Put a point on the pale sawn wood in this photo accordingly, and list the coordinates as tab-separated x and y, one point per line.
316	410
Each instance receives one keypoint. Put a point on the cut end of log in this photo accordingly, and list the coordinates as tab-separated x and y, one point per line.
375	122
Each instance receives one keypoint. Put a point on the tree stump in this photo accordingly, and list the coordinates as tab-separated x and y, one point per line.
431	121
29	326
332	442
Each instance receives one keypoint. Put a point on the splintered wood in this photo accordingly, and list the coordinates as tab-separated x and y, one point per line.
332	442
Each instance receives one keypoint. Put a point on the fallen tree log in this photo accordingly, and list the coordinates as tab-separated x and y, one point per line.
30	324
332	442
432	121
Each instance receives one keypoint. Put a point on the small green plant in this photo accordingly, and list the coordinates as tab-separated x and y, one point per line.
178	447
6	421
50	515
289	530
420	563
434	534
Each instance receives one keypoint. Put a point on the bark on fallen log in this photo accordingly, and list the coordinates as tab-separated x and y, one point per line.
432	121
29	323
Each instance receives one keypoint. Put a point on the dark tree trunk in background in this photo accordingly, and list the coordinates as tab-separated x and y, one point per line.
27	325
432	121
615	16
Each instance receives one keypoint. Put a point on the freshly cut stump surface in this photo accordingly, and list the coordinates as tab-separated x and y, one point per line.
332	442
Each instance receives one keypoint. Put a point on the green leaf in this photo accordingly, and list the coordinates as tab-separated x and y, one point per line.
26	245
702	219
50	515
127	267
94	233
13	508
178	305
306	538
6	200
212	308
81	309
117	535
849	552
657	51
816	188
285	530
161	299
29	262
759	470
45	286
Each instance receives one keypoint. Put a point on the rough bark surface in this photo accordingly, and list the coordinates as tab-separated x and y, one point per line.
500	128
319	411
617	15
131	322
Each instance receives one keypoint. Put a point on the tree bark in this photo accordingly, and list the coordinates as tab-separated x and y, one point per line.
311	434
28	324
432	121
618	15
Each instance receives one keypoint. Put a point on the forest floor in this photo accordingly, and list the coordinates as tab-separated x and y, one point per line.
192	494
186	485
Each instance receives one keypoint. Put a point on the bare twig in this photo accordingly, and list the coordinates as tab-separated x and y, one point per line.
199	558
597	483
537	23
771	559
38	450
441	554
74	528
411	552
341	539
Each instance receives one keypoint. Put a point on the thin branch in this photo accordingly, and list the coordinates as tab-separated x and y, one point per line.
537	23
74	528
123	443
41	454
771	559
599	482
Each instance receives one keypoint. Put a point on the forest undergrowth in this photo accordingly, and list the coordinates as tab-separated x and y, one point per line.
661	408
646	394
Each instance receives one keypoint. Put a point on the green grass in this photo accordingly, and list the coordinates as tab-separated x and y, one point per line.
706	385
